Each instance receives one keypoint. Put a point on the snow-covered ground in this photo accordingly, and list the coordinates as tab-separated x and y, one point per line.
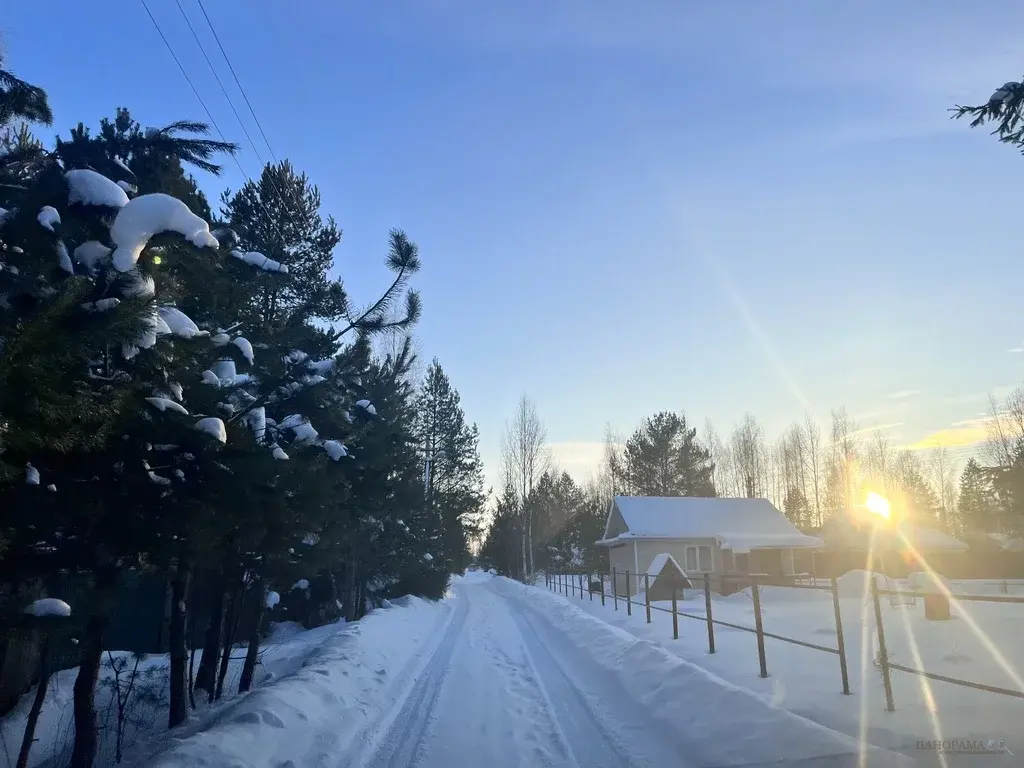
522	677
980	644
498	674
312	681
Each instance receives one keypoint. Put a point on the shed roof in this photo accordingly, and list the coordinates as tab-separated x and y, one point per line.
738	524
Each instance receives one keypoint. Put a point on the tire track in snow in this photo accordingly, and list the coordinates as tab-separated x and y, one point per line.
582	721
397	737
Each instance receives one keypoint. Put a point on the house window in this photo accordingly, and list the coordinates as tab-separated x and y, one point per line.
698	559
704	559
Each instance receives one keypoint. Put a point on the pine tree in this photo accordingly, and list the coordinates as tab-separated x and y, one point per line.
20	100
664	458
279	216
1005	107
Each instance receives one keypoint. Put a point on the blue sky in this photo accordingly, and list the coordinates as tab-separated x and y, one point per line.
623	208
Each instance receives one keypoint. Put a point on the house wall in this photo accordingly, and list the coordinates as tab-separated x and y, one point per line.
622	559
775	562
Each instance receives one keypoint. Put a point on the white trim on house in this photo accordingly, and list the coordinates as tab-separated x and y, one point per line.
636	559
699	564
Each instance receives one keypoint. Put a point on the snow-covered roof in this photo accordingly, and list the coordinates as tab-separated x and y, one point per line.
852	530
928	539
660	561
1007	542
738	524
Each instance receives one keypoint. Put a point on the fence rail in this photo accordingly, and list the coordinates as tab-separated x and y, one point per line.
583	583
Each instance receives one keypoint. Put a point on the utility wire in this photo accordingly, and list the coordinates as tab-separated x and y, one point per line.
237	82
202	49
217	78
209	114
191	85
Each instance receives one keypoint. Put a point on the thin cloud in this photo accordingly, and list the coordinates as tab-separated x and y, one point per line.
1015	350
877	428
962	434
579	459
903	394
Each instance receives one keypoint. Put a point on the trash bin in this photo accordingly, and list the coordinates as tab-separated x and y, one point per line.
936	607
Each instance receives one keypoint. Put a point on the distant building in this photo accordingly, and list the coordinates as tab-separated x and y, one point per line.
704	535
858	540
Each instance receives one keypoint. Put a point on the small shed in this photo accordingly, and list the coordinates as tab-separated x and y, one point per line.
666	578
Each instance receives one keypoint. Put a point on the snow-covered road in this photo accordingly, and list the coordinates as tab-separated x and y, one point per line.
506	685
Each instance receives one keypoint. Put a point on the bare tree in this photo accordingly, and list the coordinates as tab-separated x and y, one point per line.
943	472
525	458
747	447
719	458
812	436
843	458
612	463
1005	428
880	459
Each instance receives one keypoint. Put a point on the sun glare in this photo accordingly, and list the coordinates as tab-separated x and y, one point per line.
877	504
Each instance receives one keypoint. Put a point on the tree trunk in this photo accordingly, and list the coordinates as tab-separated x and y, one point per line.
178	713
249	667
83	753
230	629
37	702
206	677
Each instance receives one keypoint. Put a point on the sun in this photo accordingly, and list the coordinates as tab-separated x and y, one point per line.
878	505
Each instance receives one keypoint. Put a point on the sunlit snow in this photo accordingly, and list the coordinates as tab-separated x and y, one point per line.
149	215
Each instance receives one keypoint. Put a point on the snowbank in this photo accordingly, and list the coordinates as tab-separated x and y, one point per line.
735	726
858	583
306	717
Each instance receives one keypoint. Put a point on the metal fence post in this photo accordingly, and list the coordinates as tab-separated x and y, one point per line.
647	596
756	592
590	587
602	587
883	653
629	595
675	616
581	586
839	636
707	611
615	589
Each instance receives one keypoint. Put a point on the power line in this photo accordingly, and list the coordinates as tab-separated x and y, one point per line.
217	78
202	49
174	56
209	114
237	82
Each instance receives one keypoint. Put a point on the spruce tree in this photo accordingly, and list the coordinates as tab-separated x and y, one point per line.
796	507
454	487
501	546
977	503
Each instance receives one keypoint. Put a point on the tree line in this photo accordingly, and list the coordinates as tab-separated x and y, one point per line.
544	518
189	395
